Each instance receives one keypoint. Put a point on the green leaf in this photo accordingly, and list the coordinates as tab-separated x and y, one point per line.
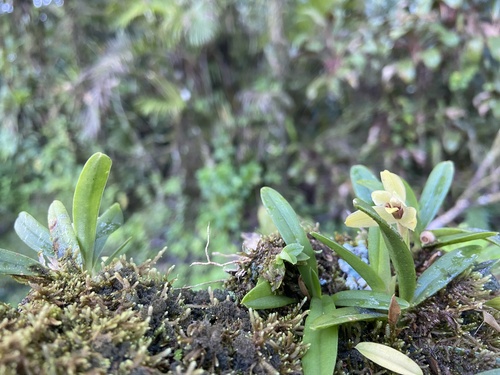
399	253
494	302
379	257
361	179
61	231
364	270
33	234
345	315
367	299
287	222
290	258
443	270
389	358
119	251
321	356
86	204
292	253
458	236
262	297
435	190
107	223
12	263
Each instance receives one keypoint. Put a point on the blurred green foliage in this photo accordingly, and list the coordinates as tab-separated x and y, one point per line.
200	103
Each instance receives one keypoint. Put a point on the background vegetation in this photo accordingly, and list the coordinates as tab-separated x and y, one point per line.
200	103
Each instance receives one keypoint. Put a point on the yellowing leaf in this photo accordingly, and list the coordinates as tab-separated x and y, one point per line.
491	321
389	358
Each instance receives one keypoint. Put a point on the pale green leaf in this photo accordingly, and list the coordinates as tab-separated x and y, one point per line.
389	358
33	234
62	235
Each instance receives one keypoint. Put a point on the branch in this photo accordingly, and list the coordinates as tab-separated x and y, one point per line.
479	181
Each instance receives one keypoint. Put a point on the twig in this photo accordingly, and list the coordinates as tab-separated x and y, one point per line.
478	182
209	262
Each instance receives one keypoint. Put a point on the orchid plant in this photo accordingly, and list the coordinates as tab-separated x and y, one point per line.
389	208
80	239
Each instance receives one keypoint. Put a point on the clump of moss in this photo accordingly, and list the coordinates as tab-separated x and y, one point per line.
445	335
129	319
448	332
258	260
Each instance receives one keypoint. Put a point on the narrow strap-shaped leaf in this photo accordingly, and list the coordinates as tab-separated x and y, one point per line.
61	231
364	182
107	223
443	270
262	297
33	234
15	264
378	256
321	357
345	315
435	190
398	251
459	236
389	358
86	203
364	270
367	299
119	251
287	222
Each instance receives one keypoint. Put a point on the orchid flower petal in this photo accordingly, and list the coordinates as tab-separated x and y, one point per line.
382	211
381	197
359	219
409	219
393	184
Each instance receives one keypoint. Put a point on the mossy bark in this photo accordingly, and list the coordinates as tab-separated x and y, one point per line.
129	319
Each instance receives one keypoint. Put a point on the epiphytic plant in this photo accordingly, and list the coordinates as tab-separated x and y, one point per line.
81	239
395	214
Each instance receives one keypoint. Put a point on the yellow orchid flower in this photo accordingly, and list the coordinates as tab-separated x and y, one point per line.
390	205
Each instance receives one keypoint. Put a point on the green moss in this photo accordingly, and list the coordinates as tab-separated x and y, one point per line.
129	319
